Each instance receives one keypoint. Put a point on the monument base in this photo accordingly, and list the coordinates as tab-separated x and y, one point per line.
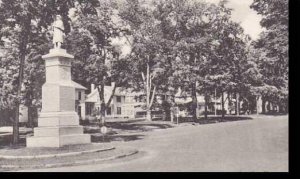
58	123
52	119
58	141
57	129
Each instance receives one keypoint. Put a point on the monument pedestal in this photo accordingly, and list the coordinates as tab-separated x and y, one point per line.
58	123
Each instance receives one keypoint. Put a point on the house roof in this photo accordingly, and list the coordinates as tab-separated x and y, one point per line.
78	86
93	96
119	91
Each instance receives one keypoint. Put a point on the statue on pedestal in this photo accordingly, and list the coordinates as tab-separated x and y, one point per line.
58	122
58	32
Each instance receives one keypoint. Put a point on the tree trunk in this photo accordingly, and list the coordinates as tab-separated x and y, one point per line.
102	104
263	110
168	114
257	107
102	113
194	103
280	108
16	126
164	117
237	104
205	107
148	115
22	47
172	115
20	81
268	106
148	84
215	106
223	115
229	102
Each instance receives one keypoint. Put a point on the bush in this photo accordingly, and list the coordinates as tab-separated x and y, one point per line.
219	112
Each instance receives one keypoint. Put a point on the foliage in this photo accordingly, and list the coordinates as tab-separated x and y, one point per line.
97	59
151	55
273	48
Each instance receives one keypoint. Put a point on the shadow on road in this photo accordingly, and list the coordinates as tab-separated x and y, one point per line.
126	130
131	126
216	119
109	138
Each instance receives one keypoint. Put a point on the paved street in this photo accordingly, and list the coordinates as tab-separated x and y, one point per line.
259	145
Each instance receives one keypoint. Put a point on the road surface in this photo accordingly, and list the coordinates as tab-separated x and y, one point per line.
258	145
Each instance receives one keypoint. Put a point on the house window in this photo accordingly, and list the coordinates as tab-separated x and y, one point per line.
108	111
136	99
118	99
119	110
79	95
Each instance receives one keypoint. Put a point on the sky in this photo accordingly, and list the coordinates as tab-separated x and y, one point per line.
248	18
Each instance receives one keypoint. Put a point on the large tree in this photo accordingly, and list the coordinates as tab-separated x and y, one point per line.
97	58
208	49
149	58
273	43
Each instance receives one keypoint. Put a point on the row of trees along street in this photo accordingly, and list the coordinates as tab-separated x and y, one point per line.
186	44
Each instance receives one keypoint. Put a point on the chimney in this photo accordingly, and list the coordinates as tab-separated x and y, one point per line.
92	87
113	84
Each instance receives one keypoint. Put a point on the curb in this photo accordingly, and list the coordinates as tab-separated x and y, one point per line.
69	164
55	155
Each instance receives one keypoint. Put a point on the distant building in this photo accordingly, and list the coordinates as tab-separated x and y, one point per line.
80	99
123	104
128	104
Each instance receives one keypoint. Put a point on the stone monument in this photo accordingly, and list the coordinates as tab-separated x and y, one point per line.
58	123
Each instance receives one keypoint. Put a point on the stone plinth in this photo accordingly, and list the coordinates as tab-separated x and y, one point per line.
58	123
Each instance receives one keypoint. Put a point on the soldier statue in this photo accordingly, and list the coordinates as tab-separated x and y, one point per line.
58	32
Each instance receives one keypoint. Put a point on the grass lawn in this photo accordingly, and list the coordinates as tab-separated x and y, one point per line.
65	160
21	150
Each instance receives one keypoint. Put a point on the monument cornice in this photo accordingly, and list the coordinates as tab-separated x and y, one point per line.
54	53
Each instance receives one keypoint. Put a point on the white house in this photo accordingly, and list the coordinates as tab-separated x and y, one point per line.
122	105
80	99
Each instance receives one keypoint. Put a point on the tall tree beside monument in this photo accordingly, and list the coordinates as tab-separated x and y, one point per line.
17	27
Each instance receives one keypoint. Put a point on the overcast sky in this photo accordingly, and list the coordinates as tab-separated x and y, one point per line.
248	18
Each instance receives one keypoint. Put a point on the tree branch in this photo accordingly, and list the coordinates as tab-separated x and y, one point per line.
143	76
